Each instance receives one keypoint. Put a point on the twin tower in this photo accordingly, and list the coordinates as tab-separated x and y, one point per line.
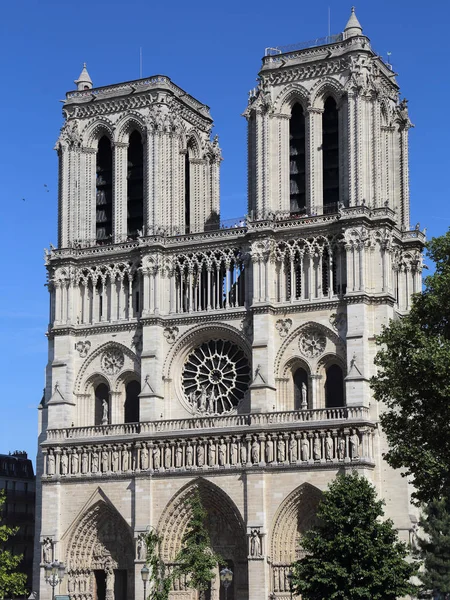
185	353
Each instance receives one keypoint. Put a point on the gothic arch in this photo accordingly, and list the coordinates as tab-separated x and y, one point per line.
98	539
325	87
127	124
194	142
95	130
131	362
296	514
289	96
224	522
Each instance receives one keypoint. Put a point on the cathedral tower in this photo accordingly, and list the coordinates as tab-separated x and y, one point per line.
187	354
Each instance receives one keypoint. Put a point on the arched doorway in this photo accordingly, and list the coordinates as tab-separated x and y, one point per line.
226	530
334	387
100	556
132	391
296	515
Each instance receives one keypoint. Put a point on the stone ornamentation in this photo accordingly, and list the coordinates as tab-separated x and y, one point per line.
312	343
283	326
83	348
112	361
47	550
170	333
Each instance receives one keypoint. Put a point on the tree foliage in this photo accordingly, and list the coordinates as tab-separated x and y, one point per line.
413	382
160	582
434	547
12	583
196	558
352	554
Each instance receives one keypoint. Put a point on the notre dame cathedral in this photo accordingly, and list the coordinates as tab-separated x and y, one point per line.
187	352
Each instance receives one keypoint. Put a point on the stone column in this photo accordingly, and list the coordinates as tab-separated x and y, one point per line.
314	162
120	168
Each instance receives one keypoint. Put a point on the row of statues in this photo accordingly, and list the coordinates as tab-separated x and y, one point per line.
286	447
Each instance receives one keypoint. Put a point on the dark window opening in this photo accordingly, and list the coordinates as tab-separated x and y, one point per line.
132	392
135	177
334	387
100	585
187	193
104	191
330	154
297	160
101	395
137	303
300	389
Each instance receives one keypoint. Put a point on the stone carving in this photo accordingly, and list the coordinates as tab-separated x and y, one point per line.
104	461
84	462
110	578
170	333
317	447
189	455
94	462
328	447
234	452
105	411
269	450
247	326
338	321
304	447
293	453
281	451
222	453
212	453
112	361
51	464
47	550
255	451
125	461
178	456
304	404
200	455
144	458
255	543
168	457
115	460
141	547
312	343
243	453
64	463
83	348
354	445
156	458
283	326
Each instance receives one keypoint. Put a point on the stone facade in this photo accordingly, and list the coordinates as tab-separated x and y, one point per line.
235	359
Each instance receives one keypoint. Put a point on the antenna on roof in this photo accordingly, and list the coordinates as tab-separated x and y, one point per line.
140	62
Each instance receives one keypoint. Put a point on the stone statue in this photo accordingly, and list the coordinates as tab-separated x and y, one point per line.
203	400
212	453
125	460
179	456
269	450
222	453
243	453
281	451
168	457
104	461
304	404
94	462
293	455
156	458
305	447
255	543
75	462
255	451
47	551
341	448
144	458
354	445
64	463
84	462
233	452
328	447
105	409
317	447
109	582
115	460
189	455
141	549
51	464
200	455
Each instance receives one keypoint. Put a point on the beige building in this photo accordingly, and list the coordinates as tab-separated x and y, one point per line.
235	357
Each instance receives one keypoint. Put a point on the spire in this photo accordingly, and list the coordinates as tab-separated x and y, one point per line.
84	82
353	26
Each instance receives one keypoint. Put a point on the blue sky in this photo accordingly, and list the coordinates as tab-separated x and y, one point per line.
213	51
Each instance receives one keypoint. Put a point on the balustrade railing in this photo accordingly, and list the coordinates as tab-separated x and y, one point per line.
345	413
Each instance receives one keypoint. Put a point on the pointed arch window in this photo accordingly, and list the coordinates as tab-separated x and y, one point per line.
104	191
330	155
334	387
132	391
297	160
135	177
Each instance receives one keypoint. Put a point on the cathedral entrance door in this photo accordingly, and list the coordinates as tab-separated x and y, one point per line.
100	585
120	584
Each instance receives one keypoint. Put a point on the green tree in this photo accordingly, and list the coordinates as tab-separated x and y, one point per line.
434	548
160	582
413	382
196	558
12	583
351	554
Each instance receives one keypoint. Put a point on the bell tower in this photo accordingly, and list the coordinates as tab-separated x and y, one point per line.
326	129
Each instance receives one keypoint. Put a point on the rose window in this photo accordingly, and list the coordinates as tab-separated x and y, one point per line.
312	343
215	377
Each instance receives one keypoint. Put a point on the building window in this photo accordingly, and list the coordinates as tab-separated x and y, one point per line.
101	409
187	190
297	162
330	153
334	387
104	190
135	200
132	392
